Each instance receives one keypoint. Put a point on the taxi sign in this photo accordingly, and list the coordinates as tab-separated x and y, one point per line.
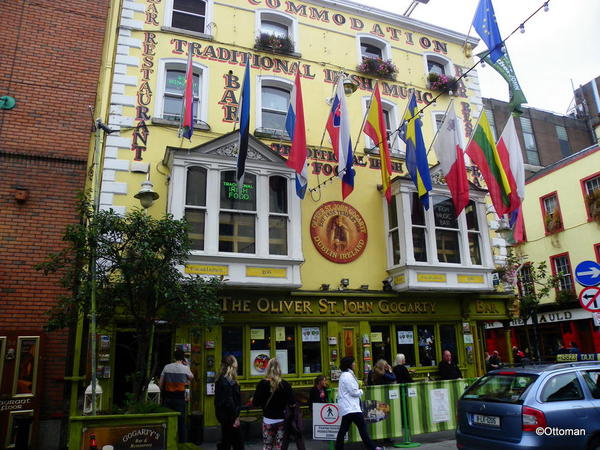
589	298
587	273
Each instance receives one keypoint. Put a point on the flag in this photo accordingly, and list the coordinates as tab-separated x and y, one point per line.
376	130
338	127
518	226
486	26
186	127
509	150
416	156
504	67
482	150
294	124
244	118
452	160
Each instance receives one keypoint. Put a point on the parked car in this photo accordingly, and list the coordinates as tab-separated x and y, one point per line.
553	406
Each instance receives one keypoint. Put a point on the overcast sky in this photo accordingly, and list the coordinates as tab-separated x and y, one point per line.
558	46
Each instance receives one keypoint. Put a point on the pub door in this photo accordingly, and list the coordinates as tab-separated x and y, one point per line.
19	391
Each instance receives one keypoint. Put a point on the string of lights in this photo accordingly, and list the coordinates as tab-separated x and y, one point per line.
419	113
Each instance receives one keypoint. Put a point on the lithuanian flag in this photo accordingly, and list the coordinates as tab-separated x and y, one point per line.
483	152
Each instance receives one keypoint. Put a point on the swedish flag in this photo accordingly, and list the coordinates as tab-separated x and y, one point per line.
416	155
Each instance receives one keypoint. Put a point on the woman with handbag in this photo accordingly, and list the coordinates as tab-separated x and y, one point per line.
228	404
349	395
273	394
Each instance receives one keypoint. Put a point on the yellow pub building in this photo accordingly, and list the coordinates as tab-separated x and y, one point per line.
307	281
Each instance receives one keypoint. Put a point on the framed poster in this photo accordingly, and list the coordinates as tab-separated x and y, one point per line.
258	361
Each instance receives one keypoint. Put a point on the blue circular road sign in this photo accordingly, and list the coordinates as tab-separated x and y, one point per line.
587	273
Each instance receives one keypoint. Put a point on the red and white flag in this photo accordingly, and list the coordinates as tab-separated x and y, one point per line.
511	156
452	160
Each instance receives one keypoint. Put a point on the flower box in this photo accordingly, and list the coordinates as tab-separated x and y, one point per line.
441	82
271	42
593	203
552	223
378	67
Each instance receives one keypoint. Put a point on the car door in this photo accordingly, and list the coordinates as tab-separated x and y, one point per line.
591	379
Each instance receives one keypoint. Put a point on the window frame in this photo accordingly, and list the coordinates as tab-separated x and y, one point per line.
272	82
534	148
396	145
441	60
208	17
380	43
167	64
522	278
287	20
544	211
584	190
553	260
564	144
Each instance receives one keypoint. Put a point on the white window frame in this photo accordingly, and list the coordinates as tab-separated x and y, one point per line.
397	145
436	57
269	81
287	20
386	48
181	64
208	16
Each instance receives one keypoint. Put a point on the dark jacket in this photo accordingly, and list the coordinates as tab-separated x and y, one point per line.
375	379
449	371
402	374
228	401
315	397
273	409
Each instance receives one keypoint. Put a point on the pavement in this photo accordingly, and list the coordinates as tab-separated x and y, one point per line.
442	440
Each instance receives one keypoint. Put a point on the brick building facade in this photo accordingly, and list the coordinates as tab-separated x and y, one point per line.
50	66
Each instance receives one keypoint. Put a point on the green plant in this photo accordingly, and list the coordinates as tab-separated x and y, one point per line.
593	203
274	42
378	67
565	296
441	82
137	279
552	222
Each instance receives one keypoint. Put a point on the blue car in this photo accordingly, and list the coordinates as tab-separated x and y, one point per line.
555	406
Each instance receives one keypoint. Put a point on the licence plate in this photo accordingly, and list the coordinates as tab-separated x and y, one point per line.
491	421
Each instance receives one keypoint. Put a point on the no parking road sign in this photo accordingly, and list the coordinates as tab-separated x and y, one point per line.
587	273
326	421
590	299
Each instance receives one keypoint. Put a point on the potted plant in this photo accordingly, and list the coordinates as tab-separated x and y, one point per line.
280	44
564	296
378	68
441	82
552	222
593	203
138	280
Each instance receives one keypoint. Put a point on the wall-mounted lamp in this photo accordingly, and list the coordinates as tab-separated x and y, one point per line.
345	282
21	194
146	195
387	285
350	86
504	228
324	287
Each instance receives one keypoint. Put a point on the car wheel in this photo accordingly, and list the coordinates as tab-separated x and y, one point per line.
594	443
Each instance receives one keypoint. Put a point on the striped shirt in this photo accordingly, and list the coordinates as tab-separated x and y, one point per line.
175	377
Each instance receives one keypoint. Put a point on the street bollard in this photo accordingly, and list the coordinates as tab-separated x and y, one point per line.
406	443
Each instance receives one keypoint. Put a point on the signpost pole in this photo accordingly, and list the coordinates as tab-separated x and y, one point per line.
406	443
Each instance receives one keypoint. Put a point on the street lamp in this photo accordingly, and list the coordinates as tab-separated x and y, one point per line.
146	194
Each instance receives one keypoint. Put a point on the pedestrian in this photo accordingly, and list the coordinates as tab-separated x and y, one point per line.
382	373
317	392
400	371
517	355
172	383
273	394
349	405
228	404
495	362
448	370
574	349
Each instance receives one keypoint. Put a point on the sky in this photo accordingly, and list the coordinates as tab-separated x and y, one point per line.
558	46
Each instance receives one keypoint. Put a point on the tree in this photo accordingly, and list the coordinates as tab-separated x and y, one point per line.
533	283
137	279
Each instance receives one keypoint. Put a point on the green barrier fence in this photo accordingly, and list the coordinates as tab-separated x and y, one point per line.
403	410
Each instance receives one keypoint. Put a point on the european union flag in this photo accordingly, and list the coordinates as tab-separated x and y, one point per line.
416	155
487	27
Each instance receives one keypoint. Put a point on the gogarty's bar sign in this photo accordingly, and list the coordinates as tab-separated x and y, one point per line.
338	232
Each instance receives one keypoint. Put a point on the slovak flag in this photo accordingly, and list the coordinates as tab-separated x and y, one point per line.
294	124
338	127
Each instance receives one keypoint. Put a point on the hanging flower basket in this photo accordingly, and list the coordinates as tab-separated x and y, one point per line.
552	222
441	82
593	202
274	43
379	68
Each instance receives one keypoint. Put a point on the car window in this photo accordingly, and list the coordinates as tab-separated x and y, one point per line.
561	388
503	387
592	379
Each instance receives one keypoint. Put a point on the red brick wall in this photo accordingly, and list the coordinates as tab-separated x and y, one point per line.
51	55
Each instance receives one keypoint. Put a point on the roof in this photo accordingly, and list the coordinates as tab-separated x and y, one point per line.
563	162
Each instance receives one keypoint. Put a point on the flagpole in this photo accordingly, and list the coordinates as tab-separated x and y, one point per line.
363	123
437	131
237	116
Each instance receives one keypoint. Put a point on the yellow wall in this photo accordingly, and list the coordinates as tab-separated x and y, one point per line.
579	235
